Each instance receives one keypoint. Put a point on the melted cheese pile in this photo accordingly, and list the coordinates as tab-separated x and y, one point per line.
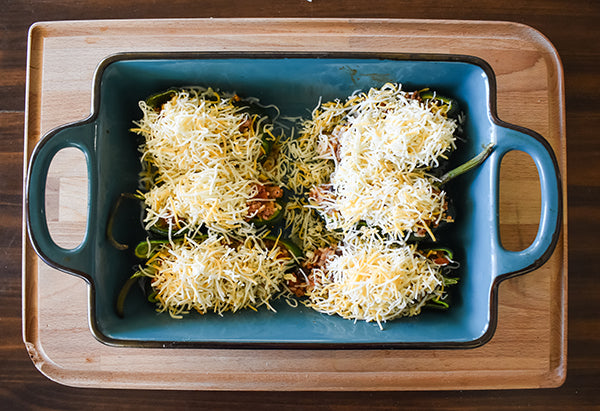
375	280
213	276
382	142
200	159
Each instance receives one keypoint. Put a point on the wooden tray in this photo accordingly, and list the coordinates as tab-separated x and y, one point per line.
528	349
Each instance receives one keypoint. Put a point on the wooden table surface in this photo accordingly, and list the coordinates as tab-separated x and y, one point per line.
571	27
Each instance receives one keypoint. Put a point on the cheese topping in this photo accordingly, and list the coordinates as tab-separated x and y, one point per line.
398	203
373	279
212	275
306	227
200	160
382	142
397	128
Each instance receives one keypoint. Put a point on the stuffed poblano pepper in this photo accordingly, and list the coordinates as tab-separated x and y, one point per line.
210	273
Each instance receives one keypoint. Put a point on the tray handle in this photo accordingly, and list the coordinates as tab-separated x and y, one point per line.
516	138
80	259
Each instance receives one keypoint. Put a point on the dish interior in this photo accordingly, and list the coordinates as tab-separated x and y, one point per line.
295	85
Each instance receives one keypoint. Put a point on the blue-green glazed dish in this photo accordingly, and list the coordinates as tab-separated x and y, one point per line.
295	83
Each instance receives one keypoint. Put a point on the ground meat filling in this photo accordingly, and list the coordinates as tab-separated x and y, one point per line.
263	205
304	283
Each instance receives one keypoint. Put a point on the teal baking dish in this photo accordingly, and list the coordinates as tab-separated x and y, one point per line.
295	83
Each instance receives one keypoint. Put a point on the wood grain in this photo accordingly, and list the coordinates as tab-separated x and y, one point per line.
572	27
532	308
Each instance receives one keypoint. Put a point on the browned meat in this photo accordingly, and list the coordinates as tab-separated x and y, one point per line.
437	256
321	194
320	257
300	286
245	126
262	204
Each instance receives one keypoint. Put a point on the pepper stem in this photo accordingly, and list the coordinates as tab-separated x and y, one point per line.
469	165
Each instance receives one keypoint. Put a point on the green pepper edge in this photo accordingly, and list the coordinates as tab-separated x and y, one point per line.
152	297
446	250
266	146
162	232
111	220
450	280
274	219
288	244
141	250
120	305
437	304
453	106
468	165
158	99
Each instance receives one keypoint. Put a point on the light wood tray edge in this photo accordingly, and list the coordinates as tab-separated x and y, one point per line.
555	376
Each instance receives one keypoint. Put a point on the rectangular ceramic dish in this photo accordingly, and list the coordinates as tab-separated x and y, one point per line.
295	83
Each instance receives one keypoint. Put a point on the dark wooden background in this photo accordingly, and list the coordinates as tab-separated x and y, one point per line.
572	26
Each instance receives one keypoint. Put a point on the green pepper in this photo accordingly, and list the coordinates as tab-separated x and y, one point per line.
111	219
437	304
467	166
148	291
266	146
447	281
461	169
157	100
144	249
124	291
446	251
452	104
274	219
161	228
152	296
288	244
450	281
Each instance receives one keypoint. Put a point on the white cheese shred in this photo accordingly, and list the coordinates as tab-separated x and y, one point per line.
359	182
373	279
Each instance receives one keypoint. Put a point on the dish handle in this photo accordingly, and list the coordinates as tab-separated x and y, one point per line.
516	138
80	259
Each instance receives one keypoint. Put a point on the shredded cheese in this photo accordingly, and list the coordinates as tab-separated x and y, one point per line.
214	275
398	128
306	227
200	159
381	144
374	279
398	203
